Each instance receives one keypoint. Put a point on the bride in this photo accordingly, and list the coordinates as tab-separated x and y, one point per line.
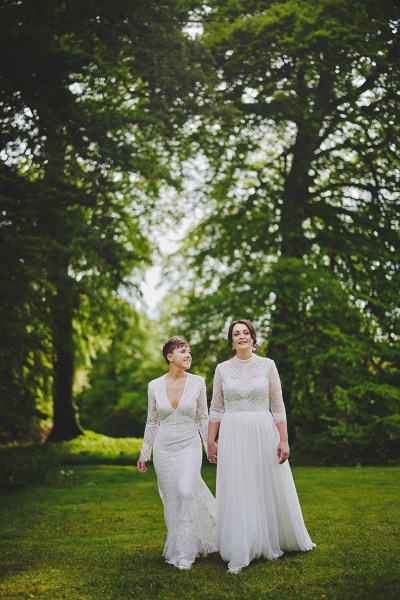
258	511
177	412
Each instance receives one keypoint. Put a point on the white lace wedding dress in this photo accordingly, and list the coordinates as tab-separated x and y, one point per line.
189	506
258	511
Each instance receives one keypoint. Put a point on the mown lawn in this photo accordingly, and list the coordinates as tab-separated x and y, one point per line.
100	534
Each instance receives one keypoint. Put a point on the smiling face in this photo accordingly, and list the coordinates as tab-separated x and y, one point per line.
175	343
180	357
241	337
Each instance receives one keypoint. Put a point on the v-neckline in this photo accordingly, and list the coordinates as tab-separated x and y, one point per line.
183	392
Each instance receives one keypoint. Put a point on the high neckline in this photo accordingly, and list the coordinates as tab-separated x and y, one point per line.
244	360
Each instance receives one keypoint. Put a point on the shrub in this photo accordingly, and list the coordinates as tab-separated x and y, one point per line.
94	448
23	466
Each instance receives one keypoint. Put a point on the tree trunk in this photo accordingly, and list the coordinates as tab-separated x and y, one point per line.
288	270
65	419
295	197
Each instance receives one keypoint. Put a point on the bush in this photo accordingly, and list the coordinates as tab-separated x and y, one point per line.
94	449
24	466
377	443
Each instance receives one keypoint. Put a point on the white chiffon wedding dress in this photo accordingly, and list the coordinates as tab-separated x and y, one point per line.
189	506
258	511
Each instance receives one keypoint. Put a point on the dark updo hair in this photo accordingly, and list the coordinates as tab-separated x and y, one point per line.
172	344
250	327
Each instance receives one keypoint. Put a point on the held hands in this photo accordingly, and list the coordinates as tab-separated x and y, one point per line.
212	452
283	451
141	465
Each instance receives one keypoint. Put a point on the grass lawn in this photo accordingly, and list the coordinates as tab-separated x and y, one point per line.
100	534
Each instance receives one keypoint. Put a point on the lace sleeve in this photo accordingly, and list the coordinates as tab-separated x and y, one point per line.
276	404
202	413
152	424
217	407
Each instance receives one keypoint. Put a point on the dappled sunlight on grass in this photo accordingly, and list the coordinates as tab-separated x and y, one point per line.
94	448
100	535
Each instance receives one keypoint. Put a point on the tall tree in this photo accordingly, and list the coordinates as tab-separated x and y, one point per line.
301	229
92	94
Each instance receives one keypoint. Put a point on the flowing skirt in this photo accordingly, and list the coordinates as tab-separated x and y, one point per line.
258	511
189	506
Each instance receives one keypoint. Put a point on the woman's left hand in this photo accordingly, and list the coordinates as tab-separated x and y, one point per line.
212	452
283	451
141	465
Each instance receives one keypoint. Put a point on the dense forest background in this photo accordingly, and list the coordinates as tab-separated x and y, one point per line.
269	133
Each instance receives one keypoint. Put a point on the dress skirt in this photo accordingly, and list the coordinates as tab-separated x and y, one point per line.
189	506
258	511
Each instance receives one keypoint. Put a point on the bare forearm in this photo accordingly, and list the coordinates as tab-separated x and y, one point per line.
212	449
213	429
283	432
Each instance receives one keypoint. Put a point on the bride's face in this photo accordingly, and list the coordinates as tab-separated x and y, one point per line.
241	337
181	357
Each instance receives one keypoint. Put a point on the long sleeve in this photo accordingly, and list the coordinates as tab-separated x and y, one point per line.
152	424
217	407
276	404
202	414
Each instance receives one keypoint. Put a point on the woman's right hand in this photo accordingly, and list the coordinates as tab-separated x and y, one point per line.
212	452
141	465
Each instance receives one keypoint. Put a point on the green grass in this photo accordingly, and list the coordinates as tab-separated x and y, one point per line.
98	533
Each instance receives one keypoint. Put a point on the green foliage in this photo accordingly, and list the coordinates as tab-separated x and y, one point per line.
339	380
26	466
300	225
96	449
340	385
85	148
25	348
298	137
115	401
38	464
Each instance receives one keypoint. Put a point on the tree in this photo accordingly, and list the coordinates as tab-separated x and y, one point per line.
91	98
115	400
301	231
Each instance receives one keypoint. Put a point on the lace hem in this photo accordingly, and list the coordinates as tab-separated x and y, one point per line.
215	416
279	418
